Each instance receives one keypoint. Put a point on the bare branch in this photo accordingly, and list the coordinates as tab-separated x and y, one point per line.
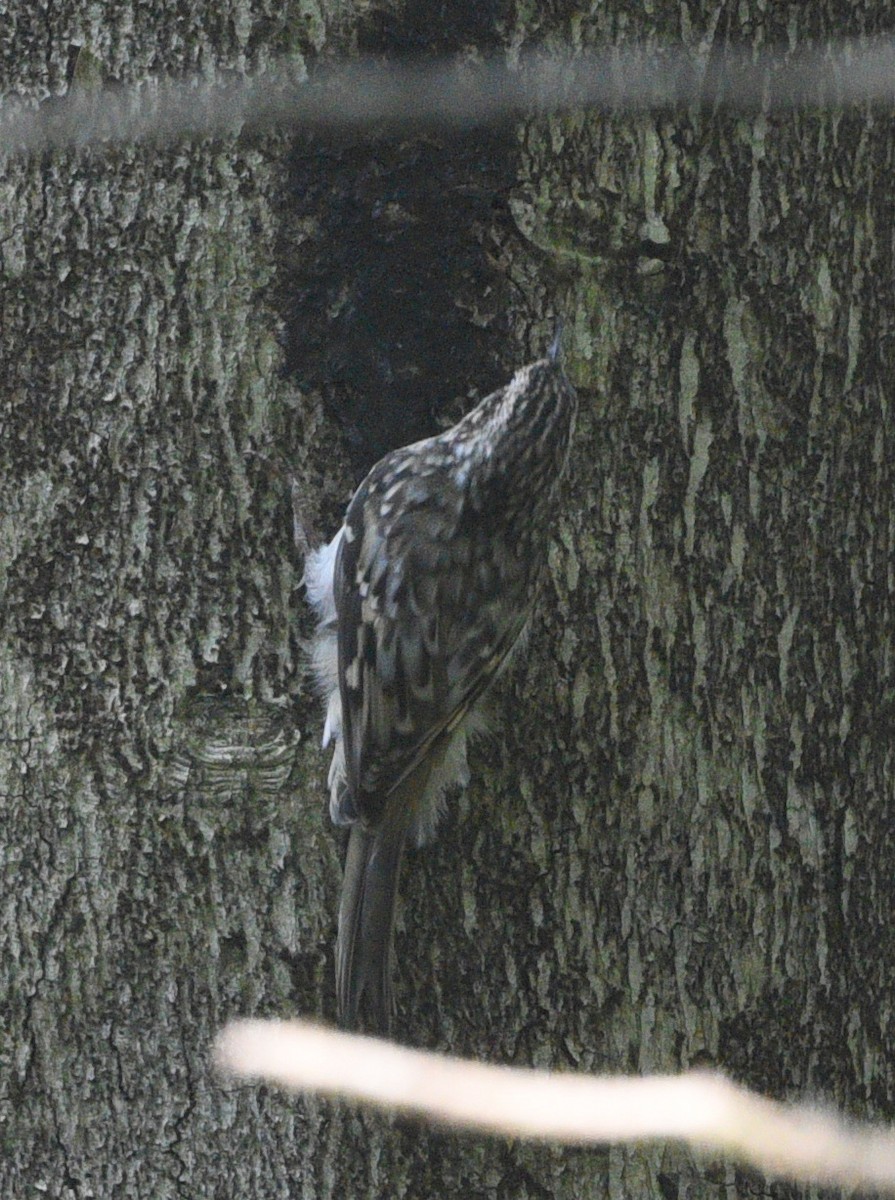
466	93
706	1111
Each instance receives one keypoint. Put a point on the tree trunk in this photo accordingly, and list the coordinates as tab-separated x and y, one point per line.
676	849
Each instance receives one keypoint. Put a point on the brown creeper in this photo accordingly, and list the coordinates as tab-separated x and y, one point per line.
421	596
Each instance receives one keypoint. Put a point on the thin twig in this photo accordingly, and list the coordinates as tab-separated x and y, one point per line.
362	94
706	1111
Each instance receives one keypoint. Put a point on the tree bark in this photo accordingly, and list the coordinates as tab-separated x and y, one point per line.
676	849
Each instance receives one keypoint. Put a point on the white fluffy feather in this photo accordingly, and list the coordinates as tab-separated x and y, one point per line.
320	566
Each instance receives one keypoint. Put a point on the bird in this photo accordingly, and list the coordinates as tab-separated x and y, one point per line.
420	599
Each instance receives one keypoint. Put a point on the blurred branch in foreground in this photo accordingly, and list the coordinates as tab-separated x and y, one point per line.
462	93
707	1111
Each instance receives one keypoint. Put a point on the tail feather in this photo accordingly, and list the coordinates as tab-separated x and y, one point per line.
365	946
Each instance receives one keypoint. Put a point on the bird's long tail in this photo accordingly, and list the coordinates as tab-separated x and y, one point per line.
365	946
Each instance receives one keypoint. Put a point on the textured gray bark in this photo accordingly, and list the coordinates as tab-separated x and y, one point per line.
679	849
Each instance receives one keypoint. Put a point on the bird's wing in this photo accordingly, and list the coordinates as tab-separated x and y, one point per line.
423	624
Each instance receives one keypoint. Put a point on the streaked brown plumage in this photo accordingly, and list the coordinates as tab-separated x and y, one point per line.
421	597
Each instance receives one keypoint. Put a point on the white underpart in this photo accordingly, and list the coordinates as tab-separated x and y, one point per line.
453	769
320	566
